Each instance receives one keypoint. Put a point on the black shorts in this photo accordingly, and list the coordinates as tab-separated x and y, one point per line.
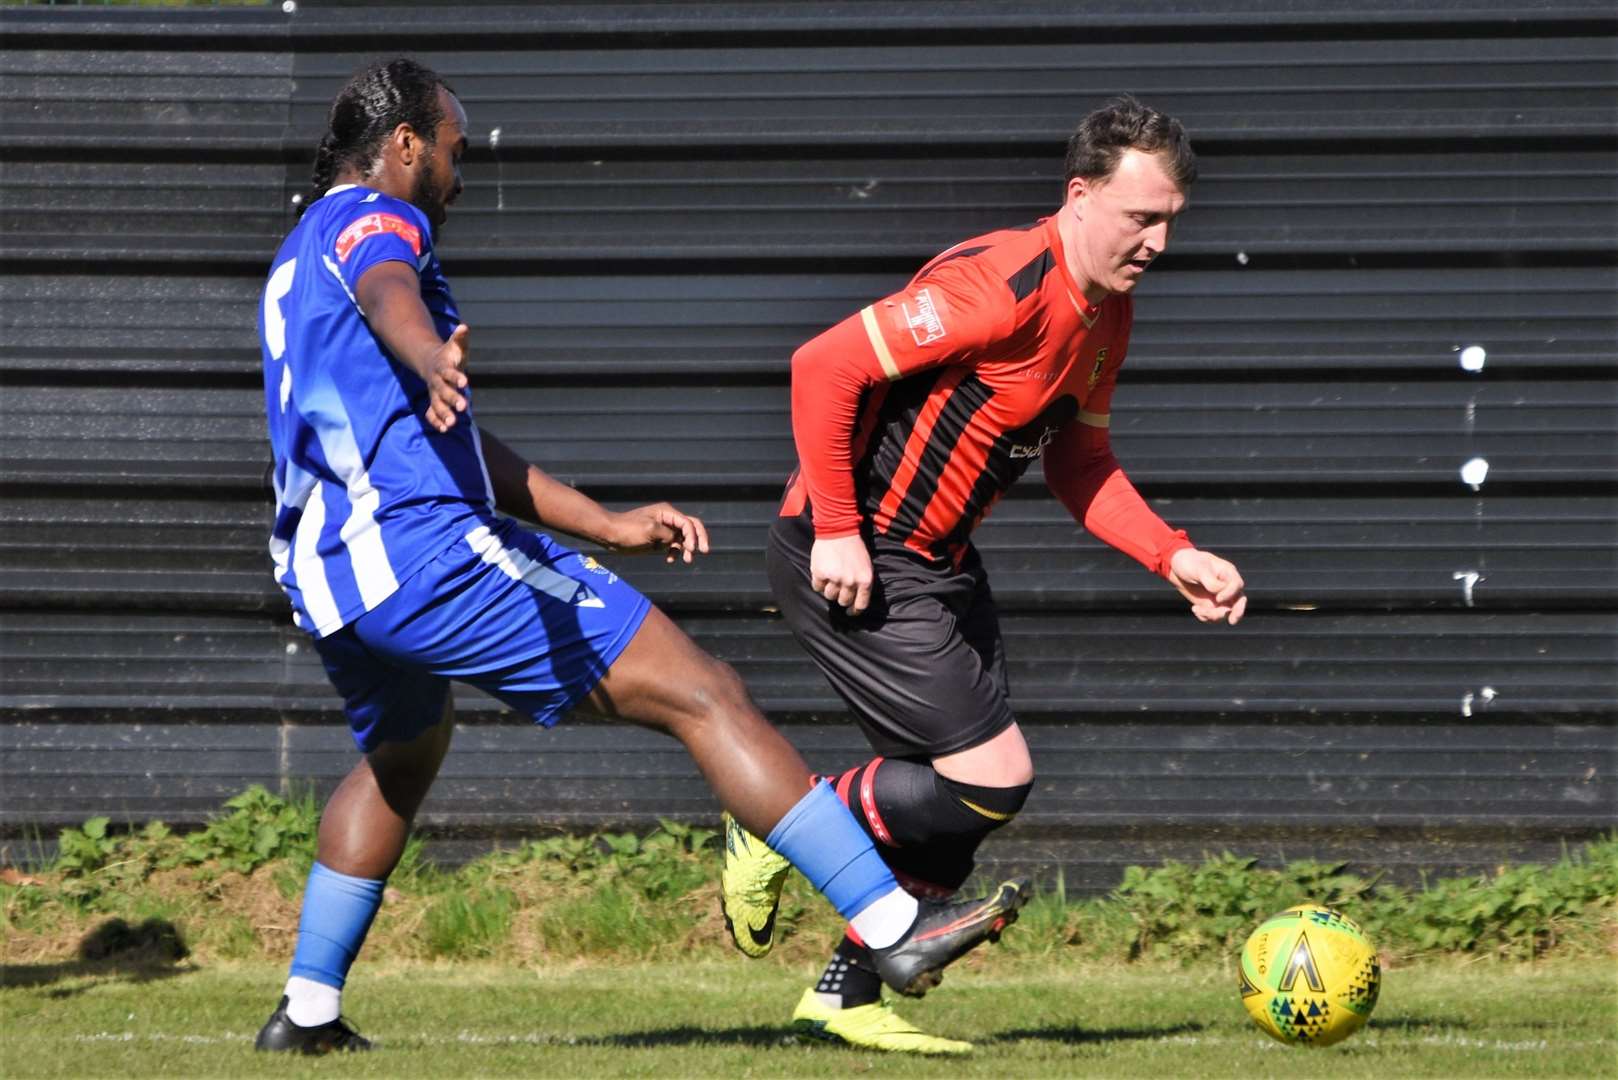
923	669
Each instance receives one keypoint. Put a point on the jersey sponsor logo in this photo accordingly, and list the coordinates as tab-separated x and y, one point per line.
1095	372
376	225
1033	449
923	323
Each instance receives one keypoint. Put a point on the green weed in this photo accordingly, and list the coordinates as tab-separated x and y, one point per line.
1523	911
260	828
1185	912
234	939
630	895
468	926
93	861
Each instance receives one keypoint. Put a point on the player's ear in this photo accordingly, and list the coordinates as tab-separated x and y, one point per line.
406	143
1077	189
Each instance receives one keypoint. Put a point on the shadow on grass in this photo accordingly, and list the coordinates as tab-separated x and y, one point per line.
687	1035
1420	1023
115	951
1073	1034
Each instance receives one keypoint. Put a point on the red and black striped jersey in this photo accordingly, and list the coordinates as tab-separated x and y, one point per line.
913	416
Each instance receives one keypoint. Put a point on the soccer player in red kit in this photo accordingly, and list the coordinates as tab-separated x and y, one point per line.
912	417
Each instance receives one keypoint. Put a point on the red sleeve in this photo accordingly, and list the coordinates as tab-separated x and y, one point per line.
1081	471
947	318
829	376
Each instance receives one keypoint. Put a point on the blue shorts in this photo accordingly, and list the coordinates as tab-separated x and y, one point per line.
507	610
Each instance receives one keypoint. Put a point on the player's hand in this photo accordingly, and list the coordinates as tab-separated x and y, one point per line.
658	527
840	570
446	378
1212	584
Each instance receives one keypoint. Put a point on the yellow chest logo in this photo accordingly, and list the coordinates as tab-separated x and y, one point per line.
1095	372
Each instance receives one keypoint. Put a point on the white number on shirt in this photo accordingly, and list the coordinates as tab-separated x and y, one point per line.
275	323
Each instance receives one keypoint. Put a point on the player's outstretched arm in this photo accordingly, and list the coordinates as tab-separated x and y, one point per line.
1212	585
522	489
390	295
1081	471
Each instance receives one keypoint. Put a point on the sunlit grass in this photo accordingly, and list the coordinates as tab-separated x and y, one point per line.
1029	1016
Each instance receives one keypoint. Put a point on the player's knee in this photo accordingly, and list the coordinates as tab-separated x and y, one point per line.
964	816
928	827
718	687
715	694
985	809
907	804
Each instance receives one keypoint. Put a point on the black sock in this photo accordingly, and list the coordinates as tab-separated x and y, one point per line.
850	975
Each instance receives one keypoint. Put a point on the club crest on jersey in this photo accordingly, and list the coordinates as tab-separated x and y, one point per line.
1095	372
924	324
376	225
590	564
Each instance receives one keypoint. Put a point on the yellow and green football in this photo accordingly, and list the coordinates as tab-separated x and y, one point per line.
1310	976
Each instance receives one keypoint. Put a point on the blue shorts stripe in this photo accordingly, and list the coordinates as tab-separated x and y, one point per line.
507	610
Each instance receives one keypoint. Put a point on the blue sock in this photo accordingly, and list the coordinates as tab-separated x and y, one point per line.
337	914
827	845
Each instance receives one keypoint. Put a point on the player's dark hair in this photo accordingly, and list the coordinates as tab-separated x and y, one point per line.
1125	124
375	101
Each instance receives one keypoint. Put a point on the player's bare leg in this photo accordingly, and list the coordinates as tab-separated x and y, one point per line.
1002	762
664	681
363	831
366	822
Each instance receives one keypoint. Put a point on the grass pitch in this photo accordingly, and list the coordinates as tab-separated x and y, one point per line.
1029	1017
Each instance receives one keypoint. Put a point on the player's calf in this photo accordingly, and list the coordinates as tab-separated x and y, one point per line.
664	681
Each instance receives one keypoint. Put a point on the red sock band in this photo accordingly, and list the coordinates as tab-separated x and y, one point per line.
868	804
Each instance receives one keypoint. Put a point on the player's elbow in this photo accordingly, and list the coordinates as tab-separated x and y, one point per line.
814	384
804	362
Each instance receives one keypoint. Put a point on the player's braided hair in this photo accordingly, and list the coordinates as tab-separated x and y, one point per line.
375	101
1125	124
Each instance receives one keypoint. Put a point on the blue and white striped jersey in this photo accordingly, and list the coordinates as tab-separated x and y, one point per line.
366	492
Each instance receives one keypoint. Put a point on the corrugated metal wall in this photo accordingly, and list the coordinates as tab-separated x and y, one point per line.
664	200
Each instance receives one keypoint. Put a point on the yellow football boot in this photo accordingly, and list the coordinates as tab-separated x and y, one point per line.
750	889
868	1027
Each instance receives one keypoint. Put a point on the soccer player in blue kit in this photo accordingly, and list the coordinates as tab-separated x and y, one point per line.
388	545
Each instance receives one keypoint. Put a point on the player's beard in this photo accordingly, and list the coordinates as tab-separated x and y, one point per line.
428	197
